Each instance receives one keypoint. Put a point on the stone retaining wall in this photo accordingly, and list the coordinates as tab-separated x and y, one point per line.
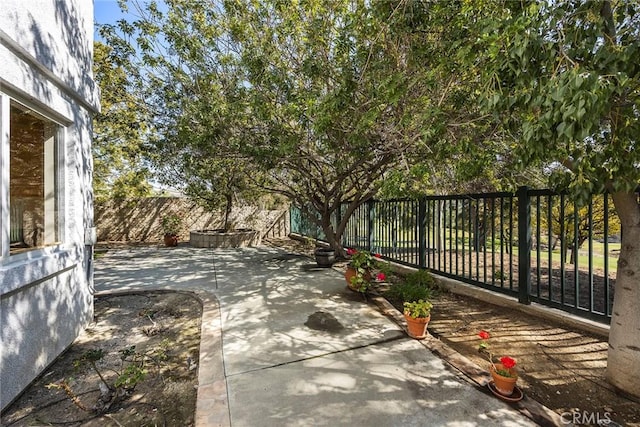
139	220
217	239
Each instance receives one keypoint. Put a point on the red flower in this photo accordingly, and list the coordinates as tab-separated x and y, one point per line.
507	362
351	251
377	255
484	335
381	277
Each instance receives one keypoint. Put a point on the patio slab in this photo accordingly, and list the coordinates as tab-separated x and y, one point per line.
293	347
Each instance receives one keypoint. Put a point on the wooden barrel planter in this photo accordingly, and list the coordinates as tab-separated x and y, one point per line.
325	257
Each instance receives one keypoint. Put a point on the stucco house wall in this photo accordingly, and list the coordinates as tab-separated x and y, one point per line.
46	298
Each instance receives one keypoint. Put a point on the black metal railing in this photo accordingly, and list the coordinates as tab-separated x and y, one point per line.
535	245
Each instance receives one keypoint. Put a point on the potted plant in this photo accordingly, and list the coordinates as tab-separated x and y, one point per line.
504	373
417	315
171	225
362	268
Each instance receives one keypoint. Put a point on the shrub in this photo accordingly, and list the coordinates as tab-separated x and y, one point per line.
499	275
171	224
418	285
421	278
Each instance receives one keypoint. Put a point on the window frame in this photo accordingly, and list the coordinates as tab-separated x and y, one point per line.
60	159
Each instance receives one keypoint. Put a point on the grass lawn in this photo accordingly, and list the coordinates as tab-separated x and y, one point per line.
405	239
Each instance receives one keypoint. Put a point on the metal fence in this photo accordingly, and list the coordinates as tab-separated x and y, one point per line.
535	245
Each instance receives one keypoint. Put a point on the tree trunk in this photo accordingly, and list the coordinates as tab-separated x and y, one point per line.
333	239
623	361
571	259
576	252
479	234
506	238
227	211
564	250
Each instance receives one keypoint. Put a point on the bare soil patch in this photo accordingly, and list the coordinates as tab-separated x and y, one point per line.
158	333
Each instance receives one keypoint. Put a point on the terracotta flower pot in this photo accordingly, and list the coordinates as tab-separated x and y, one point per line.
504	385
171	240
350	273
417	327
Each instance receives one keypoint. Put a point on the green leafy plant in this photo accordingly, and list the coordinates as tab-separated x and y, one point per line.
418	309
171	224
508	362
403	291
130	377
415	286
421	278
368	267
362	259
499	275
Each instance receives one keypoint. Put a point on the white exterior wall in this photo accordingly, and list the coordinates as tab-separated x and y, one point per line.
46	296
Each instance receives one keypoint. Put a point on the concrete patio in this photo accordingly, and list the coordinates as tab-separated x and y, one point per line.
287	344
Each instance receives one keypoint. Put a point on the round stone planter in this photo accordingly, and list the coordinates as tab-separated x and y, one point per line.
219	239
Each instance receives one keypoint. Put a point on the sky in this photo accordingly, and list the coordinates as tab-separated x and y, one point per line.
106	12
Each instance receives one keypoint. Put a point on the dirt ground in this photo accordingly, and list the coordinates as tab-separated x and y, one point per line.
155	333
560	367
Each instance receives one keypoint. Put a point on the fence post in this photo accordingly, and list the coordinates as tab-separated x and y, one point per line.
338	219
422	232
293	227
524	245
371	211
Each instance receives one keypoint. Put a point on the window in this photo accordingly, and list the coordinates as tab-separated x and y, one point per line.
33	180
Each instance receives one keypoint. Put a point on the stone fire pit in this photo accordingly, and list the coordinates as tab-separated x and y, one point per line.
239	238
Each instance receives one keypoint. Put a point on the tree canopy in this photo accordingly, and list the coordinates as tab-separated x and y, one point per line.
118	156
324	100
316	100
563	79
